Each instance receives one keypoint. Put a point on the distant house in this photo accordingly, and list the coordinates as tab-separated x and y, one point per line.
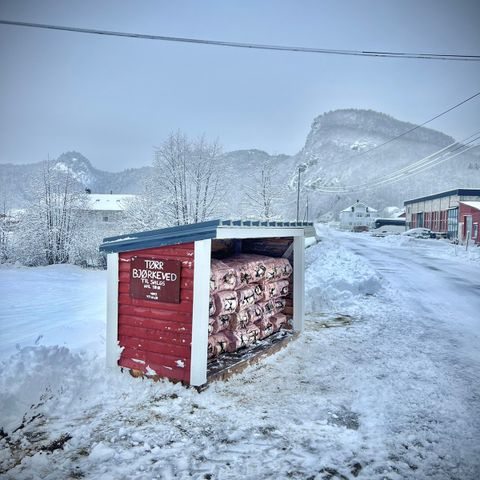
358	217
106	210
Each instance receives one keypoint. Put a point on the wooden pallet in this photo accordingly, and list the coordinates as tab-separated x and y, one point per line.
228	364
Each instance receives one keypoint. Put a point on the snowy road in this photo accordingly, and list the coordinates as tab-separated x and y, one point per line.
384	383
438	289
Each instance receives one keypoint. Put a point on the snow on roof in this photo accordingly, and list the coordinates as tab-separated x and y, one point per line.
472	204
349	209
109	202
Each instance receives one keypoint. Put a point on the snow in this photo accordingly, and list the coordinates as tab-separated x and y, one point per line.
383	383
109	202
472	204
357	204
55	305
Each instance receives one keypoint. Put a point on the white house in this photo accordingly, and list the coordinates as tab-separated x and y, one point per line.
357	217
105	210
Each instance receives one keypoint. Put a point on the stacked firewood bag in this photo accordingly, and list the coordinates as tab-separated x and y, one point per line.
247	298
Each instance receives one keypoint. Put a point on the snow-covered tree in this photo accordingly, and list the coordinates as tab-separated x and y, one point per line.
47	228
262	195
183	187
203	179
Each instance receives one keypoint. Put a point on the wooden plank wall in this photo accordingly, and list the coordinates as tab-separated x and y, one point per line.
157	334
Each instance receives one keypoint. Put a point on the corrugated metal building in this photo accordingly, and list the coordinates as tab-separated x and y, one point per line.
440	212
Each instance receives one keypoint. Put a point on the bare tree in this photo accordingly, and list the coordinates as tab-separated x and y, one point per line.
263	195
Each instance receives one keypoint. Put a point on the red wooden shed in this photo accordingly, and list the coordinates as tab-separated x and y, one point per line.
159	291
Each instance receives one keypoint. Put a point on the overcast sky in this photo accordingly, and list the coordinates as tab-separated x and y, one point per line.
114	99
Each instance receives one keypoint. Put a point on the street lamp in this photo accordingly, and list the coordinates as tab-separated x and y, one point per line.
301	168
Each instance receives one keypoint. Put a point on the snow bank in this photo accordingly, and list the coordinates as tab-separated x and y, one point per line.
55	305
335	277
434	248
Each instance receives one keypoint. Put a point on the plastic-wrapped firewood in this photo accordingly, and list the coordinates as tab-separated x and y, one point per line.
222	277
250	266
254	312
279	304
253	332
267	307
266	328
276	289
220	343
222	303
240	339
218	323
277	269
272	306
278	321
239	320
263	322
248	296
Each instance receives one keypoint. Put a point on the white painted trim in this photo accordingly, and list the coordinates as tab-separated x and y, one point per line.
298	283
201	296
111	338
258	232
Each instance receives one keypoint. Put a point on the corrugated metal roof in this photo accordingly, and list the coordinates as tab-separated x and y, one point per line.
461	192
185	234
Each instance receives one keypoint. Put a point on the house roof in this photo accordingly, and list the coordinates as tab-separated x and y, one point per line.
199	231
348	209
475	205
109	202
461	192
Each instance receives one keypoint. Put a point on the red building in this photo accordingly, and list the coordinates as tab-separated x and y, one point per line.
469	215
440	212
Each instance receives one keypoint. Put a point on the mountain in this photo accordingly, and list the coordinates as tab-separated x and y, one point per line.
15	180
341	149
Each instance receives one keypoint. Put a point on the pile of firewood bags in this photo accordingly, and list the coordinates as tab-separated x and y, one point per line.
246	300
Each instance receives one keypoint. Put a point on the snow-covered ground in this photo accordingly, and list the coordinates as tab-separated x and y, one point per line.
383	384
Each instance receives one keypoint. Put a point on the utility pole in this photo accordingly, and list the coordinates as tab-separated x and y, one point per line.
305	216
301	168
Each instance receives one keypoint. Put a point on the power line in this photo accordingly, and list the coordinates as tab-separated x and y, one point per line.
411	169
361	188
364	152
398	176
421	125
256	46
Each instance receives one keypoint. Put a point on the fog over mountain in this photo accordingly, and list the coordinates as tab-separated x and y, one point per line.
336	154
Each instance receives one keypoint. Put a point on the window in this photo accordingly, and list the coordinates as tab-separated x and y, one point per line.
359	214
105	219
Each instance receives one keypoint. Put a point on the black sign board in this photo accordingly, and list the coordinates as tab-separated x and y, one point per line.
155	279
